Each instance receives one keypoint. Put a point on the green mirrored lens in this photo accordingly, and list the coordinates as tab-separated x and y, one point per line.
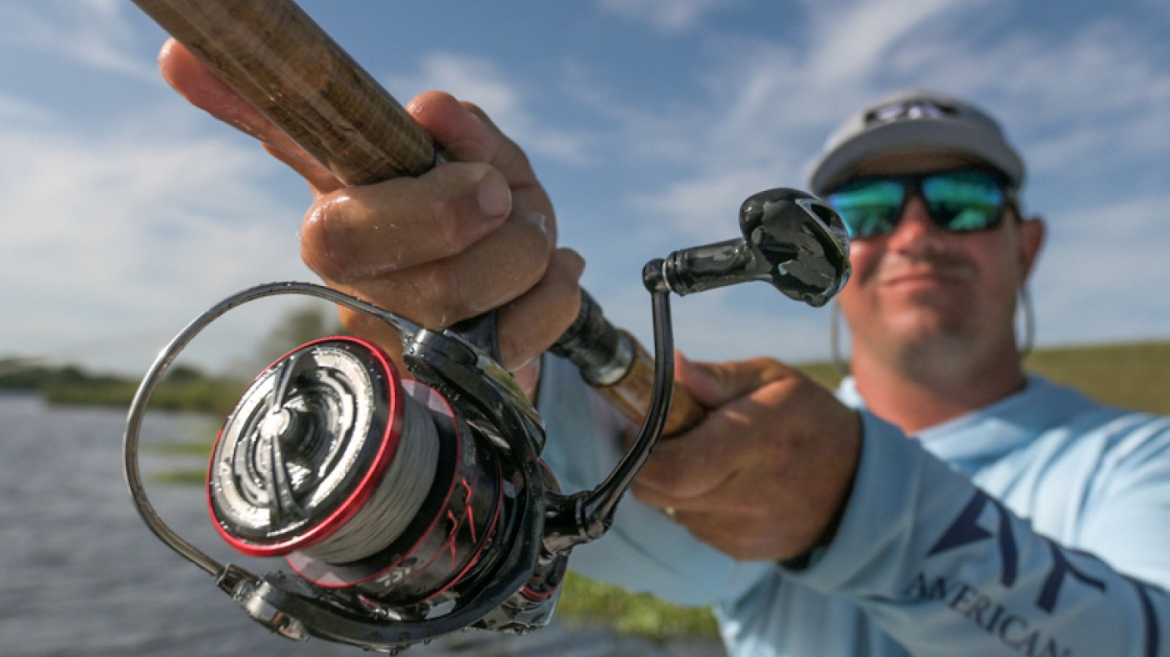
868	208
964	200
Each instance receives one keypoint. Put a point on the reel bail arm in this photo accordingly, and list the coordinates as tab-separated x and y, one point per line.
587	515
530	554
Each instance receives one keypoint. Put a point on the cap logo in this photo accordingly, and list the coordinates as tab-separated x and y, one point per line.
908	110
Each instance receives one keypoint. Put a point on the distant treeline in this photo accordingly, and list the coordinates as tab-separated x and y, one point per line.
184	388
1133	375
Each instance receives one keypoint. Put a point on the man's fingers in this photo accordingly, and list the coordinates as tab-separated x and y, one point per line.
698	461
531	323
475	234
200	87
358	233
694	463
468	135
523	333
321	181
715	384
491	272
465	134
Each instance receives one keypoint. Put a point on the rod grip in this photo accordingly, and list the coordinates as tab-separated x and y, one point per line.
631	395
277	58
620	368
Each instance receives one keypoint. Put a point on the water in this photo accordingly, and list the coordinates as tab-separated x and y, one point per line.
80	574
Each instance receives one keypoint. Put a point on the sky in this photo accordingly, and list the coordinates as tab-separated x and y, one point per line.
126	213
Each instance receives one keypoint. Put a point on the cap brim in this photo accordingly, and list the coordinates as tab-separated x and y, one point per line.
914	136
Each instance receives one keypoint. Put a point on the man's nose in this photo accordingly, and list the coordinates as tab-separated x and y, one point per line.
915	229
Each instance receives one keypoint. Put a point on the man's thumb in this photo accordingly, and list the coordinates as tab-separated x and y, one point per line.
715	384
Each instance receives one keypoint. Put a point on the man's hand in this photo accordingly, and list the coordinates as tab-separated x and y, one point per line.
766	474
458	241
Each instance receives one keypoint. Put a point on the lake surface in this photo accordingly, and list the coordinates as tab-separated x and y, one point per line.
80	574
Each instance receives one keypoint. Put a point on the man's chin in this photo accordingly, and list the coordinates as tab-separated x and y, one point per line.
929	293
929	325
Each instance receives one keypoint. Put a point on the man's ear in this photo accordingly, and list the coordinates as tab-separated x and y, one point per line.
1032	232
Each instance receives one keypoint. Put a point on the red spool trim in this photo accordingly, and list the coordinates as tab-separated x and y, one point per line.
491	528
364	489
539	597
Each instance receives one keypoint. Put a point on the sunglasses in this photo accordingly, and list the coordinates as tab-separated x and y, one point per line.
959	201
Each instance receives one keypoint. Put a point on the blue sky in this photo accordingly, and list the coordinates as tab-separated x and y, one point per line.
125	213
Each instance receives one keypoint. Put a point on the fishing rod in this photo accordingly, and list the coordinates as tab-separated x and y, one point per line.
411	508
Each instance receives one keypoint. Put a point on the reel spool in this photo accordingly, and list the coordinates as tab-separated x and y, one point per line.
362	480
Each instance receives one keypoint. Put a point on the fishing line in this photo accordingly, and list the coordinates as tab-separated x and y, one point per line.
397	499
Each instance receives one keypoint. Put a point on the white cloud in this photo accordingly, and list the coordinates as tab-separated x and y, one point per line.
770	103
15	110
169	224
1095	96
1106	274
480	80
99	229
705	209
96	33
849	42
665	15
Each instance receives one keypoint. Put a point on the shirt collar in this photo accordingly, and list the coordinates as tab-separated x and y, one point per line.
997	427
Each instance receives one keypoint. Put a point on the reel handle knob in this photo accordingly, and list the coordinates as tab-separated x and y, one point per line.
791	240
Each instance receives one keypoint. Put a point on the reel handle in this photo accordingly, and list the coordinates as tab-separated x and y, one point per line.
284	64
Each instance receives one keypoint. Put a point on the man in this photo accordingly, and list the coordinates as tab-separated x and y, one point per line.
817	529
987	556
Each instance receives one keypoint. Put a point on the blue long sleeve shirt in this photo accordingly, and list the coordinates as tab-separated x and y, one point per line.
1037	526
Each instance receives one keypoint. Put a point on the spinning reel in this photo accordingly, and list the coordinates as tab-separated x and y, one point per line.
408	509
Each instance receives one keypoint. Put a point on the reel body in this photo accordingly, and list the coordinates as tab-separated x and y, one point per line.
409	509
394	503
406	509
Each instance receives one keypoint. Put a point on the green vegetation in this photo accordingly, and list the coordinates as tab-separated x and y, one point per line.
29	374
1132	375
182	477
588	602
184	388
